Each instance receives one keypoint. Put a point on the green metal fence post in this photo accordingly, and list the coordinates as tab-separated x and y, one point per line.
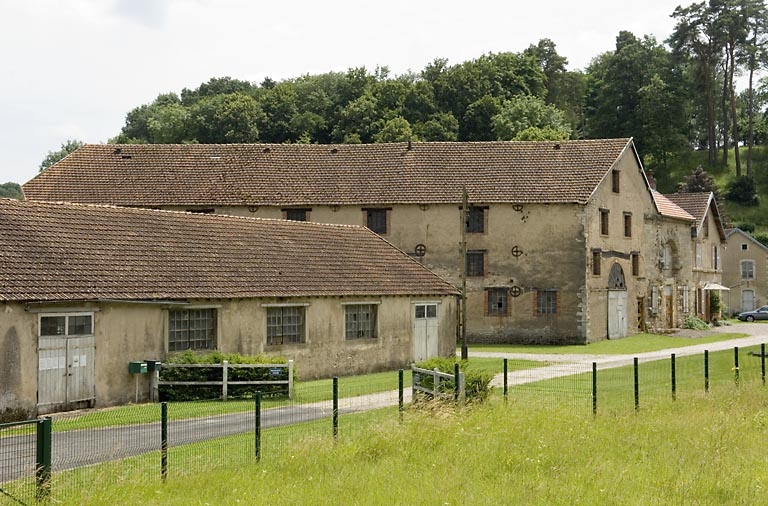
257	425
637	385
400	403
674	378
505	379
164	440
456	381
736	365
335	408
43	464
594	388
762	362
706	371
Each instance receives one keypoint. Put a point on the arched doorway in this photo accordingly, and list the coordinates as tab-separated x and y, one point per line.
617	303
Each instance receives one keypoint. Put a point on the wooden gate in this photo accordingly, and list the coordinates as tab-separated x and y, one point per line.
65	373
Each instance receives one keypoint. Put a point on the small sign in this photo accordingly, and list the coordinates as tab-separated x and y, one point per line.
275	371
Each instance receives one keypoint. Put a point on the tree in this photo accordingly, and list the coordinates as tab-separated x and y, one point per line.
756	56
70	146
226	118
529	114
11	191
395	130
698	181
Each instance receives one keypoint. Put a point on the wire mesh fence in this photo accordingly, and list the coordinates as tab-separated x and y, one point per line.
171	441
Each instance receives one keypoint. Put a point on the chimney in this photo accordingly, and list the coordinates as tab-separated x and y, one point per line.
651	179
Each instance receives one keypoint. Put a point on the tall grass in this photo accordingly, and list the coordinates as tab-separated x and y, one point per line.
706	449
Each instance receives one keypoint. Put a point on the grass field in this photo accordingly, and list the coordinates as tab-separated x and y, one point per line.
541	446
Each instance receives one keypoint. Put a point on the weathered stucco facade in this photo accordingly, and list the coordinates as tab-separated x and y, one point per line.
123	285
745	272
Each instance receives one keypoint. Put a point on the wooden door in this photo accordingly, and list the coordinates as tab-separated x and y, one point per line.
425	332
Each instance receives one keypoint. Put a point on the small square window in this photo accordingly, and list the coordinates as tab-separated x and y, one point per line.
475	263
285	325
744	246
360	321
546	302
497	301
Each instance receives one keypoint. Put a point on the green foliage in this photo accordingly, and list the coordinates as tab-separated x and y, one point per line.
526	117
477	383
698	181
694	323
67	147
743	189
762	238
11	190
746	226
188	393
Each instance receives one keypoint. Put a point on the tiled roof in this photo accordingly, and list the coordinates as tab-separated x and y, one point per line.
697	205
669	209
285	174
55	251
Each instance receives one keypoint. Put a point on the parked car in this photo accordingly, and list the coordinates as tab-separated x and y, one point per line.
760	313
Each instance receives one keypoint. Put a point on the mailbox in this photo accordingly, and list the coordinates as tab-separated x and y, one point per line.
153	365
137	367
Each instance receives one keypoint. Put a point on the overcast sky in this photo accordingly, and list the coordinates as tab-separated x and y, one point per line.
72	69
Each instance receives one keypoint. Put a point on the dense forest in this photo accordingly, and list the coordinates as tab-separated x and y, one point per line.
677	98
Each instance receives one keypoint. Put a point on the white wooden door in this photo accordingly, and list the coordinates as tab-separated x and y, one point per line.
65	373
747	300
617	314
425	331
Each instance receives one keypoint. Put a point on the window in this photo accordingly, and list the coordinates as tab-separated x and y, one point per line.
604	221
546	302
376	220
706	227
476	220
655	300
75	324
715	257
296	214
360	321
744	246
596	260
191	329
635	263
627	224
686	299
475	263
615	178
424	311
285	325
497	301
666	258
747	269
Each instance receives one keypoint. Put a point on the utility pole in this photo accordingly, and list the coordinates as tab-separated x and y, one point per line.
464	215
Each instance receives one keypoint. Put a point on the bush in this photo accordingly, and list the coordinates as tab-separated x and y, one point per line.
477	383
743	190
762	238
746	226
193	392
695	323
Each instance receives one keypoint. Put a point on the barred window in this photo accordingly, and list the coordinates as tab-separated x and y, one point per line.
546	302
285	325
604	213
191	329
360	321
296	214
376	220
476	263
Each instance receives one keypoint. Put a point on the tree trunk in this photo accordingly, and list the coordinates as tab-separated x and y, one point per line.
750	111
724	111
732	93
711	129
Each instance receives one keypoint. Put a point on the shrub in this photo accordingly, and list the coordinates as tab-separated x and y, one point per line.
695	323
477	383
762	238
743	190
746	226
193	392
